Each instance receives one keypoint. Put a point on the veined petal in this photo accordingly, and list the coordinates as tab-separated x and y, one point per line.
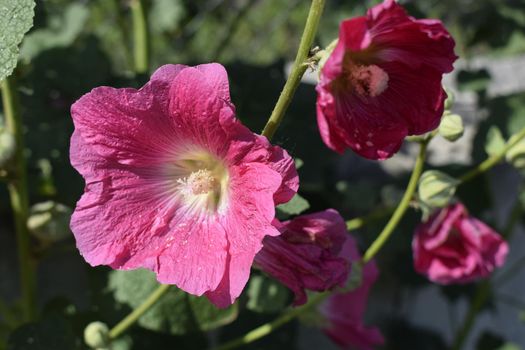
452	247
382	82
175	183
248	222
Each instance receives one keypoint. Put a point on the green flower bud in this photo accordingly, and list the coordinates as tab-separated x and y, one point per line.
324	54
49	221
96	335
516	155
436	188
449	102
7	147
451	127
495	142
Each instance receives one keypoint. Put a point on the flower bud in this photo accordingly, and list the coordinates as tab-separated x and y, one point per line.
325	54
449	102
451	127
96	335
49	221
516	155
495	142
436	188
7	147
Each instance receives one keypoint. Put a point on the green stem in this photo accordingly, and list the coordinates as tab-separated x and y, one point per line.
487	164
357	223
298	69
269	327
129	320
481	296
18	192
493	160
123	26
140	36
401	208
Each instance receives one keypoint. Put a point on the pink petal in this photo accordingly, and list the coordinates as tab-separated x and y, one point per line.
217	78
252	210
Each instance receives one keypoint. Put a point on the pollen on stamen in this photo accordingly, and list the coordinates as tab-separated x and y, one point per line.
199	182
369	80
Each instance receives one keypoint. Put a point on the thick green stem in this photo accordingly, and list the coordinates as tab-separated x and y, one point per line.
140	36
493	160
18	192
129	320
401	208
269	327
298	69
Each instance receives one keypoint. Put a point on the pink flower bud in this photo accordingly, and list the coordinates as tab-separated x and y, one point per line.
453	247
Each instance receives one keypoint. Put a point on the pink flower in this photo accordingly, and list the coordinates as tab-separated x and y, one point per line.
175	183
382	82
308	253
344	313
453	247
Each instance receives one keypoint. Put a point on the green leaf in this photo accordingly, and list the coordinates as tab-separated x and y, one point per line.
16	17
295	206
176	312
266	295
495	142
516	155
298	163
49	334
510	346
122	343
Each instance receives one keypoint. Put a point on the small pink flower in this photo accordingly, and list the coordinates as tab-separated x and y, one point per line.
175	183
382	82
308	253
453	247
344	313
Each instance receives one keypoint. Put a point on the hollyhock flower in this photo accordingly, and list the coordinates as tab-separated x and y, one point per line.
175	183
307	254
344	313
382	82
453	247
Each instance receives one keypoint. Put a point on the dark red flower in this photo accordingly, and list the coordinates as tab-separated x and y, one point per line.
382	82
309	253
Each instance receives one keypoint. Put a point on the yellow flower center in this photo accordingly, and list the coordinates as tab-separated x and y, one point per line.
199	179
199	182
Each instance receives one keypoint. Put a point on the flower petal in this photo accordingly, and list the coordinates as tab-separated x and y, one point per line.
249	221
